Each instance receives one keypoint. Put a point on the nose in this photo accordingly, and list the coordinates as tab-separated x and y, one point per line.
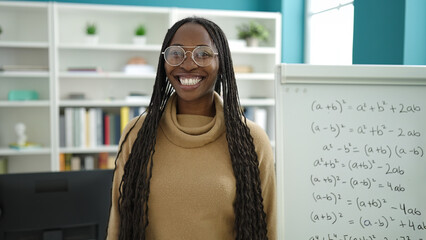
188	63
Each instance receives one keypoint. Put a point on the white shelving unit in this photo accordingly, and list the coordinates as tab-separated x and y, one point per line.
53	34
27	40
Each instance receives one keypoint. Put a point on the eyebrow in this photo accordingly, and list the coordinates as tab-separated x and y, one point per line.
180	45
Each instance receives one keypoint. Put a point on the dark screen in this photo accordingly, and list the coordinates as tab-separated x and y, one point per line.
55	205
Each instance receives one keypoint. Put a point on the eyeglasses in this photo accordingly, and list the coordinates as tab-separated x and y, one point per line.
202	55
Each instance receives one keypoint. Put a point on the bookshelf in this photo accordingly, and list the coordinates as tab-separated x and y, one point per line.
25	43
52	34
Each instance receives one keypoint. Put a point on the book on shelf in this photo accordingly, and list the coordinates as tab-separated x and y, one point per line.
68	157
92	127
62	128
124	114
88	69
107	128
68	131
3	165
99	126
103	160
89	162
79	134
92	136
76	162
114	128
23	68
81	127
61	161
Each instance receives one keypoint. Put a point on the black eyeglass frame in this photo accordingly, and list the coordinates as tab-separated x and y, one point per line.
192	54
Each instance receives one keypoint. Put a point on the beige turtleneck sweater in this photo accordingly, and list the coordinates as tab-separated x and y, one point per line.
193	185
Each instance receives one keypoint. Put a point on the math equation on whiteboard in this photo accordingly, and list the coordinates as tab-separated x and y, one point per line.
361	173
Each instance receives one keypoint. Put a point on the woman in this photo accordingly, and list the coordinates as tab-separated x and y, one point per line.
193	167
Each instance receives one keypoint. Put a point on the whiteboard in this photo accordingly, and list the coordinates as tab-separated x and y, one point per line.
351	152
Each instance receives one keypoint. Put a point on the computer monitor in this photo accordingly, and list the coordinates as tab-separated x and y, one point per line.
55	205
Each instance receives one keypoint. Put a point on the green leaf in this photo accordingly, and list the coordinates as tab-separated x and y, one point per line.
140	30
91	29
253	30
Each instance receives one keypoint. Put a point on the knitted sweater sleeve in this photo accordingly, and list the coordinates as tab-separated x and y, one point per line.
126	146
267	177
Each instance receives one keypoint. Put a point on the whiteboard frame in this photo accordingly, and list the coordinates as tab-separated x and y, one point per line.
294	74
355	74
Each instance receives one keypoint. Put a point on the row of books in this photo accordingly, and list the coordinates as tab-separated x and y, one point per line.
23	68
92	127
128	69
74	162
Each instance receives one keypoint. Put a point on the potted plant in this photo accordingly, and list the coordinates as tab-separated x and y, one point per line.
140	35
91	33
252	32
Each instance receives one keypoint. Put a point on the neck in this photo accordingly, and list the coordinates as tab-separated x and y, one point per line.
204	108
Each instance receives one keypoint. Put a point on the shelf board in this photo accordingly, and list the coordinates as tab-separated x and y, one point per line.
23	44
257	102
101	75
110	47
95	8
25	74
35	103
255	76
25	4
16	152
103	103
121	75
154	47
120	103
99	149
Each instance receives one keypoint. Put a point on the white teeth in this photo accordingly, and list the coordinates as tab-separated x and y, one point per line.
189	81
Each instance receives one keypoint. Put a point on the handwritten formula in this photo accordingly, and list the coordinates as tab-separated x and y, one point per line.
362	168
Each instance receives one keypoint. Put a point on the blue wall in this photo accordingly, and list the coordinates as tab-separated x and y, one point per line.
245	5
389	32
415	32
293	14
378	31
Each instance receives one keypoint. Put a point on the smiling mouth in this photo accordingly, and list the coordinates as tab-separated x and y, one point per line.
188	81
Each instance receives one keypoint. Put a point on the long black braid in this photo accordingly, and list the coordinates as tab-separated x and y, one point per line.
250	218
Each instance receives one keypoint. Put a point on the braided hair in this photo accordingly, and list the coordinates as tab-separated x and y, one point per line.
250	218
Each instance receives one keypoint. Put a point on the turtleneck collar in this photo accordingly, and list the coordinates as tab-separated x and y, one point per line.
192	131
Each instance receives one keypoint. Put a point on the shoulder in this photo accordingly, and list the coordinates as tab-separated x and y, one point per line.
130	133
259	135
262	144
